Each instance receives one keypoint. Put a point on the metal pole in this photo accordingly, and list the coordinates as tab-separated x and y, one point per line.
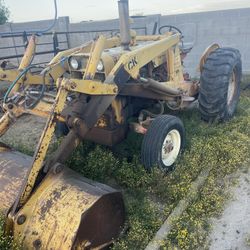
124	23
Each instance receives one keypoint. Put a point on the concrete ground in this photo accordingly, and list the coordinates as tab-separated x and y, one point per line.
232	230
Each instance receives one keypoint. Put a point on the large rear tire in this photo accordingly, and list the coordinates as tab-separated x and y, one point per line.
220	85
163	143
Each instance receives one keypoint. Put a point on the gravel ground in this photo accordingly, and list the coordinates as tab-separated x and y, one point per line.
25	133
232	230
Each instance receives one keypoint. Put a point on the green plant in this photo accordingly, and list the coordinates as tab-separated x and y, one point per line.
6	242
150	197
4	12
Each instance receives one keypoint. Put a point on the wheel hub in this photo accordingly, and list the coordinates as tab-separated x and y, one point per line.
231	89
171	147
168	147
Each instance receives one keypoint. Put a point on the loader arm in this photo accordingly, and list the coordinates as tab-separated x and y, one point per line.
134	60
41	151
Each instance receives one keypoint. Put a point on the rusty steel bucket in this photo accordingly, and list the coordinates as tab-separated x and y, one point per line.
66	211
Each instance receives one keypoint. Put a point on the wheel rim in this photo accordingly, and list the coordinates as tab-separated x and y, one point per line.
171	147
231	89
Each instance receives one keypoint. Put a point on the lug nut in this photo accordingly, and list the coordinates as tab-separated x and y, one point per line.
73	85
37	244
57	168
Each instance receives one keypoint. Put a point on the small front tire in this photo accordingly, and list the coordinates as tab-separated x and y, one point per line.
163	143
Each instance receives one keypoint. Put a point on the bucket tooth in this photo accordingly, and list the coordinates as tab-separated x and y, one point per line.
66	211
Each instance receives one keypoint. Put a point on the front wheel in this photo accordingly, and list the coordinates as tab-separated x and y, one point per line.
163	142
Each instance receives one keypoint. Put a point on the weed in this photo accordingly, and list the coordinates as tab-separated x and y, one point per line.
150	197
6	242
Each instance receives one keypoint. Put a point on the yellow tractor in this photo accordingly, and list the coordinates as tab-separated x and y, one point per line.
102	89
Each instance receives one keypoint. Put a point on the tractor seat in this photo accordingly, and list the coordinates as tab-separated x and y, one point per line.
186	47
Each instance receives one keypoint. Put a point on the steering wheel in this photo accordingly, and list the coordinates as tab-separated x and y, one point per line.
32	94
170	29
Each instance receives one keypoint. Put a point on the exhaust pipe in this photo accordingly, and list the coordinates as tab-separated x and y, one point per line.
124	23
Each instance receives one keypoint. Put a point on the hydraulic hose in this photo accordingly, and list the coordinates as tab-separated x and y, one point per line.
6	97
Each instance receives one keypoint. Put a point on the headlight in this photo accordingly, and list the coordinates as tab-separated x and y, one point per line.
74	64
100	66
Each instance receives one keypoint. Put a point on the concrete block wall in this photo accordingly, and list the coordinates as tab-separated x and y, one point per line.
228	28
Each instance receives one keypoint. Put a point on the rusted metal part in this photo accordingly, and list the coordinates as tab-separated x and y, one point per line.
150	37
65	149
84	116
137	128
106	136
5	123
124	23
13	169
206	53
137	90
160	87
188	88
43	110
95	57
117	106
28	55
11	75
66	211
12	112
90	87
26	60
39	156
134	60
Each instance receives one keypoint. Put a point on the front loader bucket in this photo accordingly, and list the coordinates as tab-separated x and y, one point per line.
13	169
66	211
